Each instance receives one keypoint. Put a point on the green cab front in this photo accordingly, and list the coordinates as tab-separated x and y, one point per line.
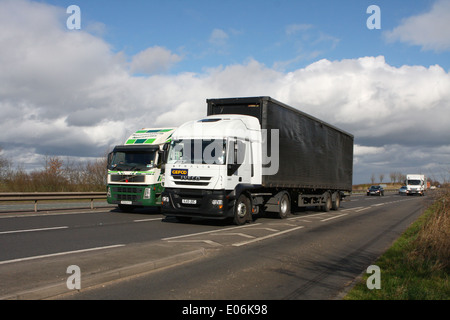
135	170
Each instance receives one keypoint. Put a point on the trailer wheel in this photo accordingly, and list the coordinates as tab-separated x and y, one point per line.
242	210
337	201
328	203
284	206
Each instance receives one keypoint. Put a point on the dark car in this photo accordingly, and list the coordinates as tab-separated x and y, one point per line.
375	191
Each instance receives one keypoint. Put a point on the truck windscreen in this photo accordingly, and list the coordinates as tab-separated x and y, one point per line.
133	160
197	151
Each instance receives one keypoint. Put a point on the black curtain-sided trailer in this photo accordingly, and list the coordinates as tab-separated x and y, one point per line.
315	158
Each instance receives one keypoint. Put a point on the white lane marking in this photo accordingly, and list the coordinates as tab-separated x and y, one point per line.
144	220
356	208
233	234
60	253
378	204
334	217
210	231
33	230
299	219
268	229
265	237
215	244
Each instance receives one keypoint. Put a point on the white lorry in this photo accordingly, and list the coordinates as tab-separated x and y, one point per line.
416	184
134	169
251	155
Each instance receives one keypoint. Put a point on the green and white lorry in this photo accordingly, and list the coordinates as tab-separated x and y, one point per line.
135	169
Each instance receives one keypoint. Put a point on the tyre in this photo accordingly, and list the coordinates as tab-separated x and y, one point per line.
242	210
328	203
336	203
284	206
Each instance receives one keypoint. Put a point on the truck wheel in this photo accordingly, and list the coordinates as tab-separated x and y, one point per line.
242	210
284	206
328	203
337	201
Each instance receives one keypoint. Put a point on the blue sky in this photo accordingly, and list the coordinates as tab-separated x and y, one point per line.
211	33
136	64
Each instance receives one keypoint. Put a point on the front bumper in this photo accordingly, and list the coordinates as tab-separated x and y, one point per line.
414	192
213	204
134	195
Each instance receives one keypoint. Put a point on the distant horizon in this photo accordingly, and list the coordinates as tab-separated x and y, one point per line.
79	77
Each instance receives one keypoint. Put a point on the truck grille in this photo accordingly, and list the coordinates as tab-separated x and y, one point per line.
127	193
191	181
128	178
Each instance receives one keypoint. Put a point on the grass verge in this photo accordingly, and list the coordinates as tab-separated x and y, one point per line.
417	266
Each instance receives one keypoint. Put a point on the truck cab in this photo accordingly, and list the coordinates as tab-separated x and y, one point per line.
207	160
135	169
415	184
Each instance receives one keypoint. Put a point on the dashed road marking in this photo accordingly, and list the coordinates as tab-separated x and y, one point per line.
334	217
210	242
243	243
34	230
210	231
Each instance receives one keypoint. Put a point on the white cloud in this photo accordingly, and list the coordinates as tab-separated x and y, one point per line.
365	150
153	60
218	37
67	93
429	30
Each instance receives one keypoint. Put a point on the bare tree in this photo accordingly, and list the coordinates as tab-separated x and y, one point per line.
381	177
4	165
401	177
393	176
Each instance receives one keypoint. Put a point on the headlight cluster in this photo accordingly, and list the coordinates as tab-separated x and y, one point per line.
147	193
218	203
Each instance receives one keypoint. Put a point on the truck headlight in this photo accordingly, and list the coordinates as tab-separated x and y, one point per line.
147	193
164	199
217	203
108	194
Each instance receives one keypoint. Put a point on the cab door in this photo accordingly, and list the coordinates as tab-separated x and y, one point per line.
239	164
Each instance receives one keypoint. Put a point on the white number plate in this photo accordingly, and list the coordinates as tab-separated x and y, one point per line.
126	202
188	201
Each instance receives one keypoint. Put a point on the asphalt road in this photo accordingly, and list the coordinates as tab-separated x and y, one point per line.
310	255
